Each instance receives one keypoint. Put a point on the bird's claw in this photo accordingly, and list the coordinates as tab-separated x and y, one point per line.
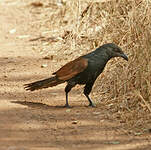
67	106
92	105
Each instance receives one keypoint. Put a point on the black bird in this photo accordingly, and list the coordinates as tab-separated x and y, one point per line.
83	70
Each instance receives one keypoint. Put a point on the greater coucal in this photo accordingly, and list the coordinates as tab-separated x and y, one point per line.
83	70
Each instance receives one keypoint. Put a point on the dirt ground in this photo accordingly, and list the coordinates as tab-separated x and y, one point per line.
32	120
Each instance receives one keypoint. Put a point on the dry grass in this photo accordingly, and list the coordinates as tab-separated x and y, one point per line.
72	28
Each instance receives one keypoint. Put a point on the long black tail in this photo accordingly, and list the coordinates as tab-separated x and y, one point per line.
49	82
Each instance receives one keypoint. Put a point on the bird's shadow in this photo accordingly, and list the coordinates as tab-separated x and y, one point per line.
36	105
43	106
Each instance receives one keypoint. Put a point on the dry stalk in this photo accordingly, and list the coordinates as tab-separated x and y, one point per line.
145	102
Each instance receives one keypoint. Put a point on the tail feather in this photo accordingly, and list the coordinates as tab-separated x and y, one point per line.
49	82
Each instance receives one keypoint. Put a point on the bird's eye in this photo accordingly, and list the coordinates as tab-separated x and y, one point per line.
117	50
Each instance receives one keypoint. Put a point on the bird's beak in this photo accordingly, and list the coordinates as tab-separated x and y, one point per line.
124	56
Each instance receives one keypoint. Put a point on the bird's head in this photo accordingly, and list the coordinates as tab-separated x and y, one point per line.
115	51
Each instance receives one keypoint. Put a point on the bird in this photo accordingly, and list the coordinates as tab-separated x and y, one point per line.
84	70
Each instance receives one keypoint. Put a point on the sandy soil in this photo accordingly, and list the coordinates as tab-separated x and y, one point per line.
33	120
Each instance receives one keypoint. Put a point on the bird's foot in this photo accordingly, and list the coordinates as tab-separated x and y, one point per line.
67	106
92	105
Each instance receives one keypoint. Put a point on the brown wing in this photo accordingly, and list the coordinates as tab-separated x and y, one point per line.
72	68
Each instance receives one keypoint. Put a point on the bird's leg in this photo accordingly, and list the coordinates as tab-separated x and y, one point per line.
90	101
87	90
68	88
67	104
